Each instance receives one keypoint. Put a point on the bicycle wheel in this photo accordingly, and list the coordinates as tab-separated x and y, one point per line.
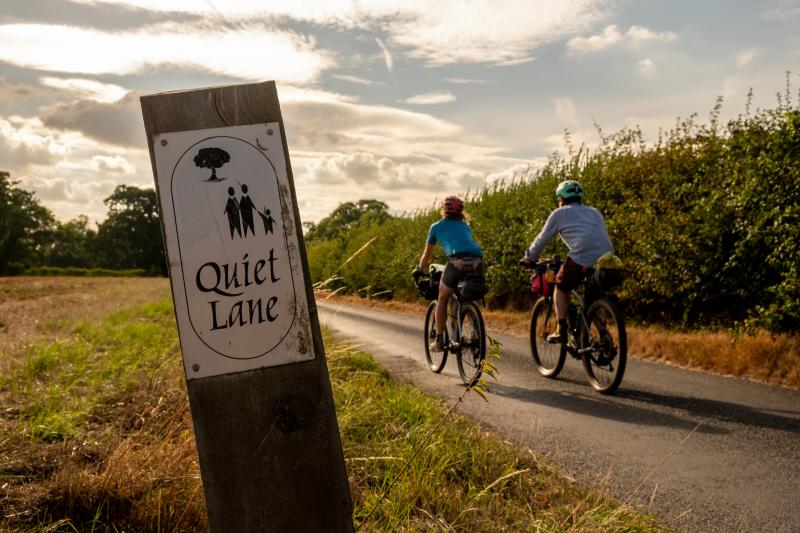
472	349
548	357
436	360
605	359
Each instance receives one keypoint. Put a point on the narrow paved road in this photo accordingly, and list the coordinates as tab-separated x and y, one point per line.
705	453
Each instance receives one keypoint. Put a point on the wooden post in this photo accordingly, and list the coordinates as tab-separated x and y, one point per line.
268	441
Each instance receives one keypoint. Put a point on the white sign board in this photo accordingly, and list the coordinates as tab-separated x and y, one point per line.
237	279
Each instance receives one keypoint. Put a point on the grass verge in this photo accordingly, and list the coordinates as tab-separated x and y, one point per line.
97	437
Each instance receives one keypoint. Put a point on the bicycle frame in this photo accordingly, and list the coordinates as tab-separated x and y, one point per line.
454	331
579	328
596	332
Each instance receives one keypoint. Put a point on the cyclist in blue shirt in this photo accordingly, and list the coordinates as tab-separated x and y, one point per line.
464	256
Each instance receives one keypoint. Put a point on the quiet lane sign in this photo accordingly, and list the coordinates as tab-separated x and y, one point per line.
235	265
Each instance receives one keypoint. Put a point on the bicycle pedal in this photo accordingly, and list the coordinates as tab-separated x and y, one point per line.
454	346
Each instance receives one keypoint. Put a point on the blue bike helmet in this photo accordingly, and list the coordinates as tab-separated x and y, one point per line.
569	189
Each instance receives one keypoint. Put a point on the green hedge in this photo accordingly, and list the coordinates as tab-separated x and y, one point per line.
706	219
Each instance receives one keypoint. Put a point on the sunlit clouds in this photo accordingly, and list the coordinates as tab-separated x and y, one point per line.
431	98
436	31
249	54
24	143
388	60
612	36
398	101
646	66
101	92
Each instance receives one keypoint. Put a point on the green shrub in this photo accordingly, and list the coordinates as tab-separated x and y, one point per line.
706	219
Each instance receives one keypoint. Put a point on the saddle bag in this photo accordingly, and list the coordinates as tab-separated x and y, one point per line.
473	287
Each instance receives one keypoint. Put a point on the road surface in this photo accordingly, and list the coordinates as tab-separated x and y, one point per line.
705	453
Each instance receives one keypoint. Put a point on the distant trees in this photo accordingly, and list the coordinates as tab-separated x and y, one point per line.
72	244
345	216
129	238
25	227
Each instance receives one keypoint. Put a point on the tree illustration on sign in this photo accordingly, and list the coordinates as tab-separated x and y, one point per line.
212	158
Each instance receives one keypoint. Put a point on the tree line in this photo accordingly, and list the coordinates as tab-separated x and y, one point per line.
128	239
707	220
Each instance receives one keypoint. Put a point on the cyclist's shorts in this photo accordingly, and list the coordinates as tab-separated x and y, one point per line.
459	266
570	275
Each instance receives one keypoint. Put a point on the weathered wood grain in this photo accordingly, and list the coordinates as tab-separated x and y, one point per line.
268	441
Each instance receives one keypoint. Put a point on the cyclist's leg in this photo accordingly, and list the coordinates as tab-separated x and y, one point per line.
562	303
569	276
446	286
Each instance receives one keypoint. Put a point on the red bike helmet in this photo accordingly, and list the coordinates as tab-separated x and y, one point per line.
452	205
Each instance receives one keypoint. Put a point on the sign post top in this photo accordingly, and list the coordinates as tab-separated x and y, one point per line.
228	215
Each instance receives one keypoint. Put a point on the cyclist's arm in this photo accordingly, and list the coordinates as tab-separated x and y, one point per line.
425	260
549	231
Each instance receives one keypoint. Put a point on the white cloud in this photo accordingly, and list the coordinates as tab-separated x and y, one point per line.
784	13
745	57
24	142
466	81
387	55
69	198
436	31
254	53
345	151
639	34
356	79
117	122
430	98
611	36
95	90
565	109
515	61
113	164
513	172
646	66
365	169
375	174
486	31
338	126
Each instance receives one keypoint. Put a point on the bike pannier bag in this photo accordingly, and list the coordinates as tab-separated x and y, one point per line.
541	285
428	289
473	287
608	278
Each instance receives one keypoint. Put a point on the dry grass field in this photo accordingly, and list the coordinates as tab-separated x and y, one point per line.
43	308
95	431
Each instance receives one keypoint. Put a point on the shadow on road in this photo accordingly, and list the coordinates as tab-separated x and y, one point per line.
640	407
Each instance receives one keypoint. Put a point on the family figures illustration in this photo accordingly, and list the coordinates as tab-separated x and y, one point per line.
240	214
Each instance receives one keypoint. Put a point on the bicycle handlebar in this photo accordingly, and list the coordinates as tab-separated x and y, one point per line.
541	265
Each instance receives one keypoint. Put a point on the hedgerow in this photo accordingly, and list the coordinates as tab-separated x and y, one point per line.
705	218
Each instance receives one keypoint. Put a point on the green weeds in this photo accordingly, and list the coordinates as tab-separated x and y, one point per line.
458	478
58	386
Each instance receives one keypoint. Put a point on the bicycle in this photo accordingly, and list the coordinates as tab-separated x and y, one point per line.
595	333
465	333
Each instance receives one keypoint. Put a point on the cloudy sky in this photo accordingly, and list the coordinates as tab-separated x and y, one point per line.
401	101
